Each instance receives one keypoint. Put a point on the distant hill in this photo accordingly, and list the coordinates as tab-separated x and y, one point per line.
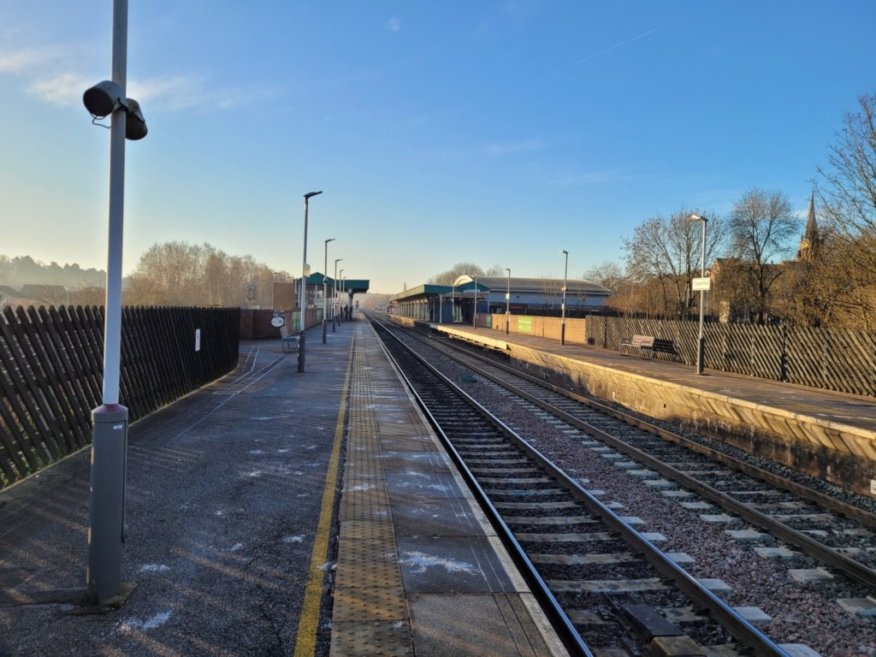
24	270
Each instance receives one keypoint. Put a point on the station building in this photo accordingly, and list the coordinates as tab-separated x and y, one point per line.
488	295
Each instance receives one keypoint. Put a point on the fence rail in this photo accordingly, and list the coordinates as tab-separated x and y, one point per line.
831	359
51	372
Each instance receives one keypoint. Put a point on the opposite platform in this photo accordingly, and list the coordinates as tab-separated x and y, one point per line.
827	434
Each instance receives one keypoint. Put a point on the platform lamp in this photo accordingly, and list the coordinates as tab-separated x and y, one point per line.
701	346
106	531
508	303
563	307
325	290
301	301
335	296
340	292
474	314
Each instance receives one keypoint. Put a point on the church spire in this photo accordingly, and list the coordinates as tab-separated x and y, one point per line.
810	242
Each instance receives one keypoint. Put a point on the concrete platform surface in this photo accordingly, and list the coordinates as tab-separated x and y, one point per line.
232	516
420	570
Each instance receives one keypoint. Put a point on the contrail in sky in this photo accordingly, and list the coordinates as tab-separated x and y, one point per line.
618	45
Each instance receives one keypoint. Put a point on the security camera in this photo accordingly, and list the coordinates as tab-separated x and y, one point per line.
135	126
102	99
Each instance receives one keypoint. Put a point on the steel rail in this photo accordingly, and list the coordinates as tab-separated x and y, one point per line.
843	508
725	615
559	620
830	557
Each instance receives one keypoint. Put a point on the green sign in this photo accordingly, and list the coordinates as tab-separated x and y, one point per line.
524	324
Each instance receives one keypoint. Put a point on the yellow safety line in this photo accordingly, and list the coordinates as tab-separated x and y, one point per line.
308	621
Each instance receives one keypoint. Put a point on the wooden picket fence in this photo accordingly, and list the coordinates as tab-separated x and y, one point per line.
831	359
51	372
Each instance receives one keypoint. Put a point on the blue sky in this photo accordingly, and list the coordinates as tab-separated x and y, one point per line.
440	132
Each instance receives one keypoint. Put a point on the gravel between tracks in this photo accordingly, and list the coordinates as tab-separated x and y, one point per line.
807	615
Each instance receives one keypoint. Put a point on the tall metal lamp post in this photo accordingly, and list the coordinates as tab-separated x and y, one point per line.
335	296
563	311
340	293
301	298
474	314
325	290
110	420
508	303
701	347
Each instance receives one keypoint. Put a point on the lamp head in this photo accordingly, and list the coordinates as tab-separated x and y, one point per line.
106	97
102	99
135	126
696	217
309	194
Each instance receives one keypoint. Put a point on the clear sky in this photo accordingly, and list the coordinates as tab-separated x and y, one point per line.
440	131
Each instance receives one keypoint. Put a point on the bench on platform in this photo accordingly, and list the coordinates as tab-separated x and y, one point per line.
646	345
289	343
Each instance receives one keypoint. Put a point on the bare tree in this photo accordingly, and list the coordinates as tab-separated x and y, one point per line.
668	251
459	269
761	229
847	189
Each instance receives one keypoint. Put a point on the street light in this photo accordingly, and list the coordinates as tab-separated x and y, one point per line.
563	311
474	315
110	420
325	289
508	303
340	292
335	296
303	335
701	347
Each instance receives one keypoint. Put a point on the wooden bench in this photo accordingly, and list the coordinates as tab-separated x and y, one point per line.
646	345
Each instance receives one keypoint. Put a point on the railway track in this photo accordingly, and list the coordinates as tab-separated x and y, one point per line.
839	535
605	585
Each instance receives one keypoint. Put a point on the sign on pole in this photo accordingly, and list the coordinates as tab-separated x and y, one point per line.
704	283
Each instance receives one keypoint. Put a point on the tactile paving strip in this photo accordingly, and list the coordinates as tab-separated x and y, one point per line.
365	505
368	564
356	604
380	638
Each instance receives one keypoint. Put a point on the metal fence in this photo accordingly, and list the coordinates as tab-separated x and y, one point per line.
831	359
51	372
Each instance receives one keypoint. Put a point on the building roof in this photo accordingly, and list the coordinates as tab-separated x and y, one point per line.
535	285
350	284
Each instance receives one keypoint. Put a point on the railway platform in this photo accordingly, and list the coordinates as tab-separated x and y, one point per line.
273	513
826	434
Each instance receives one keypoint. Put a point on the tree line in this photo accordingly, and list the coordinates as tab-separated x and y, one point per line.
167	274
766	264
183	274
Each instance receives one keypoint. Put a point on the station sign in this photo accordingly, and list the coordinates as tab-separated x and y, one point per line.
704	283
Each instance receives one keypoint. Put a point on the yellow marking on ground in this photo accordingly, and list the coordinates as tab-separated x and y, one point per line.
308	621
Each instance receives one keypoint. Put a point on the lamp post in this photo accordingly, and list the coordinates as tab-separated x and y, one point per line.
341	274
301	299
325	290
508	303
452	302
335	296
701	347
563	308
110	420
474	314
